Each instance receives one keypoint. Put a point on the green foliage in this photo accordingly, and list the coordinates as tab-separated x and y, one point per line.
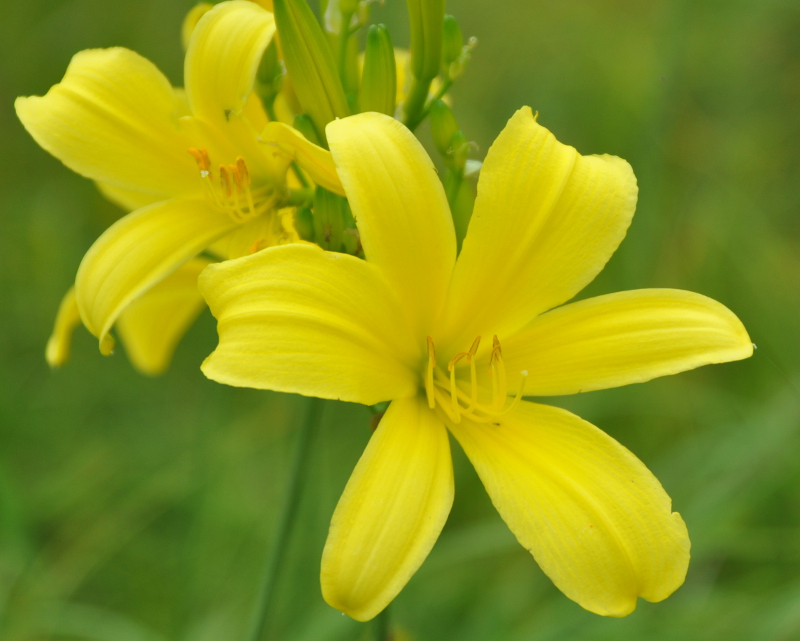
136	509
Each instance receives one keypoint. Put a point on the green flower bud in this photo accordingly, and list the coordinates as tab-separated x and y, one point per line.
443	127
453	41
379	79
304	223
310	63
426	18
270	75
329	219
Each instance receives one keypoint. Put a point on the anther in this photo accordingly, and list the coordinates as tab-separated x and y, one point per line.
243	170
225	180
203	163
429	374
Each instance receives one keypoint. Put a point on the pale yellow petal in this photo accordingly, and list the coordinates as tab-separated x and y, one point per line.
391	512
137	252
151	327
224	52
290	145
127	199
546	221
67	319
114	119
297	319
191	19
400	208
594	517
623	338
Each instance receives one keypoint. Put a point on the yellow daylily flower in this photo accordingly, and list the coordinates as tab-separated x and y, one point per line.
451	339
197	164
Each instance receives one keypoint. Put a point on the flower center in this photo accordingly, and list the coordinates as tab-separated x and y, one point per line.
443	389
233	194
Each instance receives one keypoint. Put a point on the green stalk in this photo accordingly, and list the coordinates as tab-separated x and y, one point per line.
382	626
291	503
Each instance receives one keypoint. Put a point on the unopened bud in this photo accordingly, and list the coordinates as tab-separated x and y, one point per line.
304	223
329	219
426	18
453	41
447	137
310	63
379	78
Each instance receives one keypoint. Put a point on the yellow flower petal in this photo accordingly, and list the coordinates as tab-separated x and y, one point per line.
297	319
113	118
151	327
595	519
191	19
127	199
292	145
400	208
546	221
67	319
623	338
391	512
137	252
223	57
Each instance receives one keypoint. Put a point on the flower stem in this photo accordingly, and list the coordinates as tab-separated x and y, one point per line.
382	626
291	503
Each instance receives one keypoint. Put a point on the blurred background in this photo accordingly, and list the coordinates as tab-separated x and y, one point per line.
142	509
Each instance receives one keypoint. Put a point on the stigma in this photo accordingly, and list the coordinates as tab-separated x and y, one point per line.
232	193
445	391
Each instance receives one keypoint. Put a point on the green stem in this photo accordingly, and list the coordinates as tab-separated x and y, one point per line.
292	501
382	626
415	102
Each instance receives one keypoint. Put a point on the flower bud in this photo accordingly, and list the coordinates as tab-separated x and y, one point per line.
379	78
447	137
304	223
453	41
426	18
310	63
329	219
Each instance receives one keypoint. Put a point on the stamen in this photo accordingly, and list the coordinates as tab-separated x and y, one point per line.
442	389
429	374
203	163
225	180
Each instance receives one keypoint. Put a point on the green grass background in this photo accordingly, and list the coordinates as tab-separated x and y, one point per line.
137	509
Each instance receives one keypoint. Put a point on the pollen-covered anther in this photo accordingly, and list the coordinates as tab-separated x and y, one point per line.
443	389
203	162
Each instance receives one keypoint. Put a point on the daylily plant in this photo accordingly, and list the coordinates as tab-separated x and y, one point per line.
456	341
199	167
